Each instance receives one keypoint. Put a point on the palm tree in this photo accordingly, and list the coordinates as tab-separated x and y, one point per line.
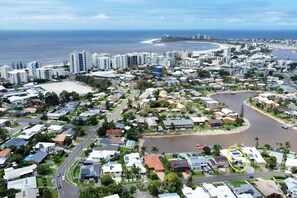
155	149
287	145
135	170
143	150
257	142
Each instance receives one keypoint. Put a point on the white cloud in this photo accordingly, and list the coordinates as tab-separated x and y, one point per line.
100	16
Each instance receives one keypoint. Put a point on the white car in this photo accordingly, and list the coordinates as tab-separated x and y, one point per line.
63	178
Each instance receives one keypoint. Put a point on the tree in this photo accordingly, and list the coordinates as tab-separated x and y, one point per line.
294	169
190	181
68	141
133	189
155	149
107	180
216	149
173	182
143	150
11	192
207	150
154	187
51	98
136	147
287	145
45	193
257	142
43	169
93	120
172	126
271	162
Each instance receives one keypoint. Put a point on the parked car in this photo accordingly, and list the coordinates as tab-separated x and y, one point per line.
285	126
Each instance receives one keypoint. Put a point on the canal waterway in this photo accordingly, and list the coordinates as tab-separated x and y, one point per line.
266	129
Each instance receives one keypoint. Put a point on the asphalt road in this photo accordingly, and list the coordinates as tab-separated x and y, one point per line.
69	190
222	178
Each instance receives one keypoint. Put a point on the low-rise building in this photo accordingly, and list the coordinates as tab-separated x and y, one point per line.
268	188
30	132
47	147
247	189
198	192
97	156
22	184
218	190
36	158
11	173
90	170
17	142
114	132
5	153
169	195
215	123
55	128
219	162
113	169
182	123
179	164
134	159
198	163
254	155
292	186
154	163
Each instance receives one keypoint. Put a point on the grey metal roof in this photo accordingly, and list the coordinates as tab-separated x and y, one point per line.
17	142
38	157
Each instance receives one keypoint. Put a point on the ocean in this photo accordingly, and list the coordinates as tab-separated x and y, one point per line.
51	47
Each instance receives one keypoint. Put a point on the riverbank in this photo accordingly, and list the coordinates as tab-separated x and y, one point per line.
240	129
230	92
269	115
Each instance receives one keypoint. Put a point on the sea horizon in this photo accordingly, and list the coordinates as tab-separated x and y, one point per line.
54	46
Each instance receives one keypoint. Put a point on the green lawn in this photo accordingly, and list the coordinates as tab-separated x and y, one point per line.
198	174
237	183
48	181
54	193
39	181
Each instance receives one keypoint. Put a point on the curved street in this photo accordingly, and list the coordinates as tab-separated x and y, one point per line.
68	189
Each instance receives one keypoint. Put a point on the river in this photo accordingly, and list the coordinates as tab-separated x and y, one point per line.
266	129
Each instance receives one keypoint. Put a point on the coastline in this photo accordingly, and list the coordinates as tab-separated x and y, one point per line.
270	116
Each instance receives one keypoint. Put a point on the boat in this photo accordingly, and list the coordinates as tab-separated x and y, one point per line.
233	93
200	146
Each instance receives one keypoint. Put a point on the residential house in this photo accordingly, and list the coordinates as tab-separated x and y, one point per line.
268	188
30	132
218	190
244	189
28	193
113	169
3	122
112	196
22	184
47	147
151	122
218	162
11	173
55	129
134	159
36	158
198	192
59	139
198	163
292	187
215	123
179	164
17	142
69	132
290	162
97	156
154	163
90	170
235	156
254	155
169	195
198	120
3	161
182	123
113	132
5	153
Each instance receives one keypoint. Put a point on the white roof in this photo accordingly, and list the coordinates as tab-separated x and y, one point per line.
226	111
291	162
134	159
45	145
197	119
234	154
113	196
2	121
198	192
22	184
96	155
292	185
112	168
11	173
27	193
253	154
221	191
28	133
245	196
55	127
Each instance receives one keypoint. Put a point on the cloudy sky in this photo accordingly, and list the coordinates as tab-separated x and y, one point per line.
148	14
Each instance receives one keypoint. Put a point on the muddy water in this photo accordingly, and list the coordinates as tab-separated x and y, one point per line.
266	129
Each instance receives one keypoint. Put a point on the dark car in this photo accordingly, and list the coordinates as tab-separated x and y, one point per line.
59	186
251	176
59	175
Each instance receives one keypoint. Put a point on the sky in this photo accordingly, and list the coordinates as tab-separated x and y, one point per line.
147	14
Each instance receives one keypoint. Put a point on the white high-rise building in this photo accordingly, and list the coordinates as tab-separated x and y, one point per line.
119	61
43	73
18	76
80	62
4	71
32	66
227	52
103	63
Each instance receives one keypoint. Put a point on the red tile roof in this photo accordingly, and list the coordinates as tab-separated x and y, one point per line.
5	152
113	132
153	161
